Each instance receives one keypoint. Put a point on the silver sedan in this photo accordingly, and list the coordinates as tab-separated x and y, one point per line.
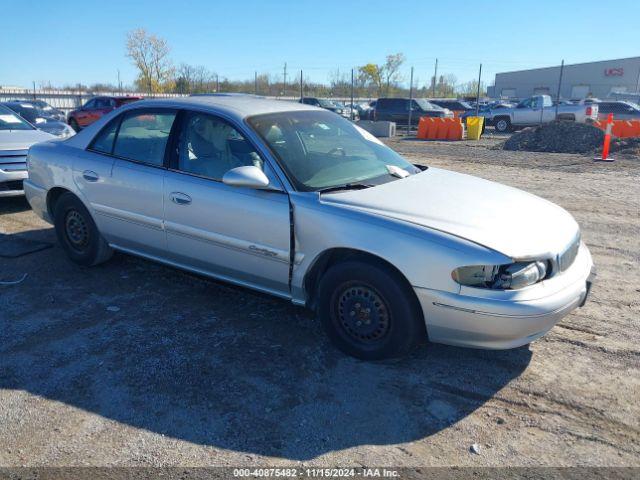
295	201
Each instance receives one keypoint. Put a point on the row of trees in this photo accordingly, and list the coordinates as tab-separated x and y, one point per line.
157	74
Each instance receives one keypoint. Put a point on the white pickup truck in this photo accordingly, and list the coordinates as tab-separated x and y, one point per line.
536	110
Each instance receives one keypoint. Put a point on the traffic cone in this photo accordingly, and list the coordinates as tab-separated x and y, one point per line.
607	140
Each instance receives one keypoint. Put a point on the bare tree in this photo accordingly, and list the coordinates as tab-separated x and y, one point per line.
378	79
391	70
150	54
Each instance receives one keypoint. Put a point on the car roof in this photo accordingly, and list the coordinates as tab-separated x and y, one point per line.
238	106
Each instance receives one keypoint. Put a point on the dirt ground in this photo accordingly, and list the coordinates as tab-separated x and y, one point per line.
133	363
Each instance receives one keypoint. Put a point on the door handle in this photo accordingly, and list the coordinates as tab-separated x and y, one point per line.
90	176
180	198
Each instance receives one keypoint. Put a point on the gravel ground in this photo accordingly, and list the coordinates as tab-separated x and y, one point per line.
132	363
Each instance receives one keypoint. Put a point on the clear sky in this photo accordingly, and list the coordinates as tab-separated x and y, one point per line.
69	41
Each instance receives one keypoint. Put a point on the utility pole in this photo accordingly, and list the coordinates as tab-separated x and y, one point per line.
34	90
410	102
119	83
559	86
352	107
255	83
301	86
435	76
478	92
284	81
217	83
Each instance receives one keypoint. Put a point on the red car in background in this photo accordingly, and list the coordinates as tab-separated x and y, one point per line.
94	109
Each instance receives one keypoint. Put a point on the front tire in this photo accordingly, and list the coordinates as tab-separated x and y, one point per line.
369	311
73	123
77	232
503	125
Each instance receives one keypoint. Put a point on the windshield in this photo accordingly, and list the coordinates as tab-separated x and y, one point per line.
9	120
320	150
28	112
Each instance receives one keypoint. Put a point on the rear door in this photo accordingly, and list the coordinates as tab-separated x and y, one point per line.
92	169
234	233
134	208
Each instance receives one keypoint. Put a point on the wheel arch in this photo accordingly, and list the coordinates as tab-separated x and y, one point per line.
333	256
53	195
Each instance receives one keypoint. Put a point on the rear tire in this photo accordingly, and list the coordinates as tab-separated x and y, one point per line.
77	232
368	311
503	125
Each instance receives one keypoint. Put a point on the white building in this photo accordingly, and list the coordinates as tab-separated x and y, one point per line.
597	79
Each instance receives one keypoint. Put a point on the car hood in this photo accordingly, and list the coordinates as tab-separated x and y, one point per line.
510	221
22	139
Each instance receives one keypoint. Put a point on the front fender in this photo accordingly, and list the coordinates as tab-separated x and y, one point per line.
425	257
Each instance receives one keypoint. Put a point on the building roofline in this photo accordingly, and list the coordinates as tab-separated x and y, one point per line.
568	65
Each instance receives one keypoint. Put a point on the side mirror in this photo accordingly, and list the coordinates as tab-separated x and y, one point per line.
248	176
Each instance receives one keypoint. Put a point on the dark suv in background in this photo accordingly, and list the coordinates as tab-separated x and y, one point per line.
96	108
397	110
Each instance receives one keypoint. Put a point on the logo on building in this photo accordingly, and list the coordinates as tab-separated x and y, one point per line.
613	72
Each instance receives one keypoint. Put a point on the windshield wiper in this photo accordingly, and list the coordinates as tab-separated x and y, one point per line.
346	186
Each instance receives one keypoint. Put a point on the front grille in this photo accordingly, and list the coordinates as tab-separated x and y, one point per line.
566	258
13	167
12	185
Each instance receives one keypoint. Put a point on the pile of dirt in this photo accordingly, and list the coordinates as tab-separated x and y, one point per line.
625	147
556	137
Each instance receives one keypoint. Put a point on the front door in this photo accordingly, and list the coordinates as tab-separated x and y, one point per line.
234	233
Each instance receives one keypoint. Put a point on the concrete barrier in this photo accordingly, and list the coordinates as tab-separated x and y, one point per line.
378	129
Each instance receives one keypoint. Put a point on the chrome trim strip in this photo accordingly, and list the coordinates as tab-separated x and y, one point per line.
263	251
135	218
506	315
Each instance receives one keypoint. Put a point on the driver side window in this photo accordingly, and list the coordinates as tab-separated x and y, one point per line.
209	147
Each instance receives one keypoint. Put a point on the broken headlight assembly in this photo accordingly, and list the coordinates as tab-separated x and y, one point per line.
502	277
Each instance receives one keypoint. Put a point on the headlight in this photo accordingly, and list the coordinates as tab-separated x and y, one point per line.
339	111
501	277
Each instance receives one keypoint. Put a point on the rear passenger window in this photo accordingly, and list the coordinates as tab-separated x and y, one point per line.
103	142
143	136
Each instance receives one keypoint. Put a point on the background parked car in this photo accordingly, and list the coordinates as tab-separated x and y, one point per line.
458	107
485	111
327	105
622	110
397	110
361	110
40	119
46	108
539	109
96	108
16	136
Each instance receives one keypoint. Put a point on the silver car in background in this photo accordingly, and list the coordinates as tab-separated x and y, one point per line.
295	201
16	136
